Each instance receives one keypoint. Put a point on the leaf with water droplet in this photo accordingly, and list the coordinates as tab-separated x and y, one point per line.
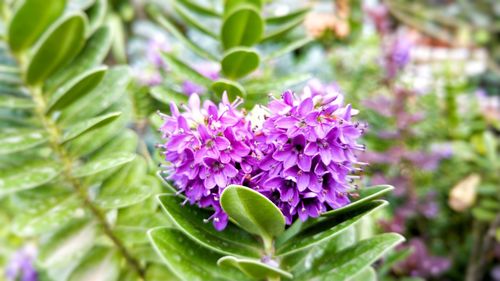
254	268
350	261
87	125
325	229
188	259
27	177
112	160
21	140
189	219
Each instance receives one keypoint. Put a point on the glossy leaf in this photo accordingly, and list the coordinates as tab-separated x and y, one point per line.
239	62
46	214
252	211
101	264
325	229
70	242
97	14
242	27
31	20
21	140
87	125
58	47
187	259
94	52
254	268
352	260
76	89
189	219
104	163
233	89
365	195
368	274
28	177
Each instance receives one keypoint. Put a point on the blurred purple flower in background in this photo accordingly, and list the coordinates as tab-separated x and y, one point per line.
301	157
420	263
21	265
209	70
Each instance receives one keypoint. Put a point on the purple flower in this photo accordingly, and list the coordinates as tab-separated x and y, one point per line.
155	47
209	70
421	263
20	266
396	55
301	157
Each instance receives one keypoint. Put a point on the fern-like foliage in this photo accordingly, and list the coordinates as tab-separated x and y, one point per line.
70	175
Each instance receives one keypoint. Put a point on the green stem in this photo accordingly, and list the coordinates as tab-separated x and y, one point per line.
67	162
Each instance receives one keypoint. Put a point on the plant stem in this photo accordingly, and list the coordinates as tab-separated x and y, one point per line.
67	162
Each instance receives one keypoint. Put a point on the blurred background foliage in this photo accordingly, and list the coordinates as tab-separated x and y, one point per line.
424	74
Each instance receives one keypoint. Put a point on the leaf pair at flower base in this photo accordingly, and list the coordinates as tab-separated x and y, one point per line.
257	245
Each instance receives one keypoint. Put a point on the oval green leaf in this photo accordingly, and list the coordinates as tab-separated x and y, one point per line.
87	125
254	268
58	47
232	89
76	89
239	62
31	20
189	219
104	163
365	195
244	26
187	259
21	140
325	229
28	177
252	211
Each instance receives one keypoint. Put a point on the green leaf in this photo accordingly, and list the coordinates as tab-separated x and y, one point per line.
325	229
125	187
365	195
45	214
294	45
254	268
276	85
159	18
101	264
114	84
87	125
103	163
21	140
290	17
125	141
76	89
68	243
58	47
188	72
233	89
31	20
349	262
193	22
7	101
166	95
93	54
239	62
368	274
252	211
281	31
244	26
189	219
156	272
187	259
97	15
199	9
28	177
119	38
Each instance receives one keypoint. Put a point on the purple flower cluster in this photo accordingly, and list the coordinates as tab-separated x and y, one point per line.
301	156
20	266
